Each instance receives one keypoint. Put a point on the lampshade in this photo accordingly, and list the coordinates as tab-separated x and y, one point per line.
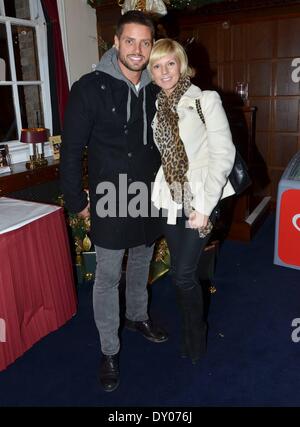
34	135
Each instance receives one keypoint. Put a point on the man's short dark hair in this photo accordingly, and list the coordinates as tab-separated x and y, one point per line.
134	17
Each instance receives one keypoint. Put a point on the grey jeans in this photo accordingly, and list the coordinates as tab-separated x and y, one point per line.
106	291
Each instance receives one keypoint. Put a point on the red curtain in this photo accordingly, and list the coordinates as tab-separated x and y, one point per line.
62	87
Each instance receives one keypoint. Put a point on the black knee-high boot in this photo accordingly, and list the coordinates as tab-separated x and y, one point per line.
184	321
193	328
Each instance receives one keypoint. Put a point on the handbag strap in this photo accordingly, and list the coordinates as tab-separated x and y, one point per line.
199	110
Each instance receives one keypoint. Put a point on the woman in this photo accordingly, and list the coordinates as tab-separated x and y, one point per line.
193	136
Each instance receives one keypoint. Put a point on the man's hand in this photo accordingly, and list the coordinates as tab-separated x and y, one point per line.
197	220
85	213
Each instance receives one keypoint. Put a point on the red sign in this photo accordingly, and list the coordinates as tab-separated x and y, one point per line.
289	228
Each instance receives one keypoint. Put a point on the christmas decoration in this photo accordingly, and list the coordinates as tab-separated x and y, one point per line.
157	6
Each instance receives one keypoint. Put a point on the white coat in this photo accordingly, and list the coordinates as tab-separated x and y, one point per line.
210	152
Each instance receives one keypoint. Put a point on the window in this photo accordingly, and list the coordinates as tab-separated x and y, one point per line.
24	80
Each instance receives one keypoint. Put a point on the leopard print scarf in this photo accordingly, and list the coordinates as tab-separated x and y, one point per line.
174	159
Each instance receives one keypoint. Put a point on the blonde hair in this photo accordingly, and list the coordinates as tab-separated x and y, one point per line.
163	47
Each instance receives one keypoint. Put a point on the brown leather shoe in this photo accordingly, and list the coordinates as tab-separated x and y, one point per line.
148	330
109	372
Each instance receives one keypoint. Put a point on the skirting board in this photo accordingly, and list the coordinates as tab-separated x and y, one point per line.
258	210
245	230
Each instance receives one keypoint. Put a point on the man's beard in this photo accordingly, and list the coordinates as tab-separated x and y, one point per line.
130	66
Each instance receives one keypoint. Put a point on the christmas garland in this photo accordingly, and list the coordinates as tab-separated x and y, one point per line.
171	4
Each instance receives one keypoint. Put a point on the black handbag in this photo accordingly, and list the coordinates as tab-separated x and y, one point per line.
239	176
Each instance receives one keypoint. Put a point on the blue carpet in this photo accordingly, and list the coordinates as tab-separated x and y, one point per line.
251	359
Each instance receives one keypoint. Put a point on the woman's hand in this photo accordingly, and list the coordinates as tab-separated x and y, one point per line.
85	213
198	220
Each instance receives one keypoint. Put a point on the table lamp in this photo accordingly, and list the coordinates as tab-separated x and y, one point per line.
35	137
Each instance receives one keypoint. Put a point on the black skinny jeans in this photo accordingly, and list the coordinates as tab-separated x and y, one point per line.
185	248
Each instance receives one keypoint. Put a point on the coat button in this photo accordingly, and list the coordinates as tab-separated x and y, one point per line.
113	109
129	155
129	179
103	87
126	131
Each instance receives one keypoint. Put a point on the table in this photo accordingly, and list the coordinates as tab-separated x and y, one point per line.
37	292
21	178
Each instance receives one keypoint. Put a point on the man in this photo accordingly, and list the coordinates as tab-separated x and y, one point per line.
110	111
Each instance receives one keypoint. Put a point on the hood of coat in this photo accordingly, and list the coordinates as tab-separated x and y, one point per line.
109	64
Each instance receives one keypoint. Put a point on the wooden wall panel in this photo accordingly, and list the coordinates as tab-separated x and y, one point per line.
225	77
263	119
284	146
288	37
238	39
215	76
208	37
239	73
224	41
286	115
260	40
107	23
260	78
275	175
262	143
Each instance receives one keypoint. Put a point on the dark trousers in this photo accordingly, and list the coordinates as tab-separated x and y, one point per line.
185	248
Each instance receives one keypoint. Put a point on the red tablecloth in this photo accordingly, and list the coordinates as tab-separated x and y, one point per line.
37	293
